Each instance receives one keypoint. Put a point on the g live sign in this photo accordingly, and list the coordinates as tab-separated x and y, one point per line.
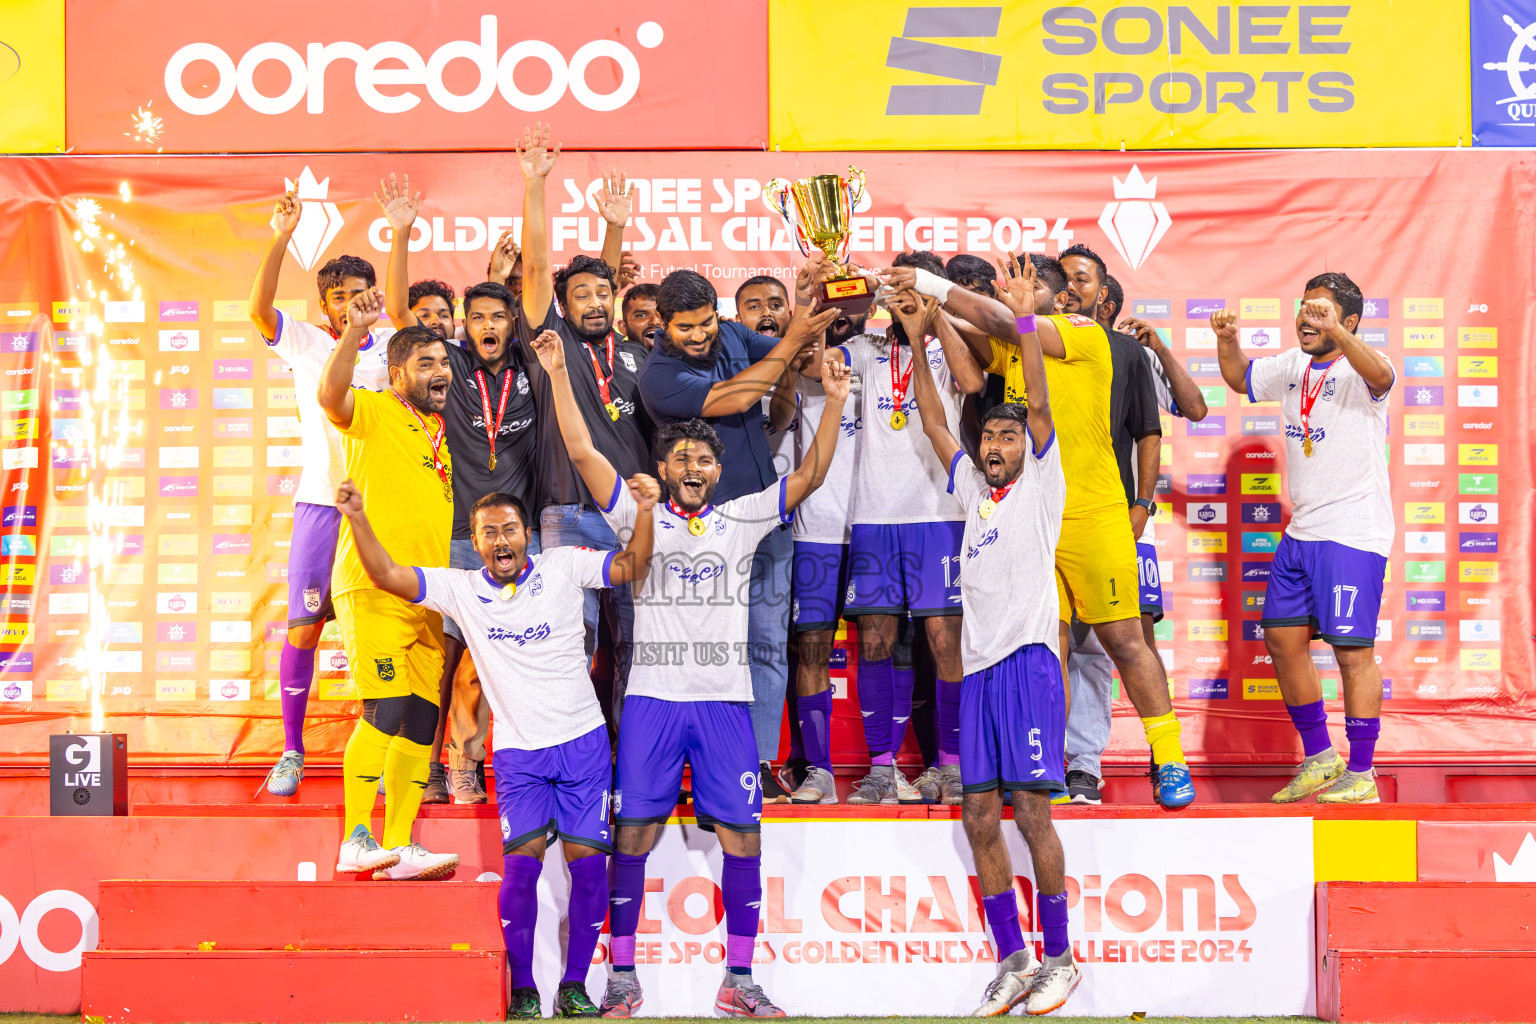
288	75
939	74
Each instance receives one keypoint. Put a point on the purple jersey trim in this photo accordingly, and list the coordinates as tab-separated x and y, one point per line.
786	515
1048	442
421	585
1248	381
613	502
954	460
1383	396
608	568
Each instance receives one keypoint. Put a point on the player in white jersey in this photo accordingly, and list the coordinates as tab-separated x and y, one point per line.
522	619
904	542
1327	575
1012	705
305	348
690	686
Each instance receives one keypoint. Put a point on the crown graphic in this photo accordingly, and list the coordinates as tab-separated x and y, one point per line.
319	219
1522	868
1133	187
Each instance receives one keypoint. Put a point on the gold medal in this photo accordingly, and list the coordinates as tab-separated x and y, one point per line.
448	492
1306	447
493	462
898	420
509	591
696	526
613	411
988	506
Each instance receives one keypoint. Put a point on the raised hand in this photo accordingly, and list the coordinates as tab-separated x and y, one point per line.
551	352
535	154
1321	314
364	309
349	500
614	201
898	279
810	276
1224	323
912	313
504	257
399	206
1144	332
810	322
836	378
645	490
1017	285
285	215
628	273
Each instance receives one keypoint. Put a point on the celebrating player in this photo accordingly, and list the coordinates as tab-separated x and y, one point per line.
1326	579
683	708
305	347
396	452
1013	714
522	620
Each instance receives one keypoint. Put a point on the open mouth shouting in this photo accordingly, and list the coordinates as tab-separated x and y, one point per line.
691	490
502	563
437	390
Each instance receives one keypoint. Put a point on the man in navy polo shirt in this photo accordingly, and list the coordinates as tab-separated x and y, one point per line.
719	371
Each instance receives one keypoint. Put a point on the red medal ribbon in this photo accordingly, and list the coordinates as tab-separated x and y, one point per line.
899	382
686	515
436	442
999	493
501	407
1309	398
597	371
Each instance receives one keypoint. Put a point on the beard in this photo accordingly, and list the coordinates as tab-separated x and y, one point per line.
581	330
769	326
705	362
420	395
845	327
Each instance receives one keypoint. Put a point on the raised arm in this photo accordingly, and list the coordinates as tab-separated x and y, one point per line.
285	217
741	392
1188	399
1371	365
968	374
335	394
503	258
537	158
926	391
632	564
613	202
1229	353
400	210
783	400
596	471
837	379
387	574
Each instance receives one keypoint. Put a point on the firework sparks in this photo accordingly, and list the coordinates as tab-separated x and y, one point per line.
147	127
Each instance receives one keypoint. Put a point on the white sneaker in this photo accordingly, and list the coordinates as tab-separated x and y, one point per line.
819	787
465	785
1051	987
904	792
414	864
361	852
1010	986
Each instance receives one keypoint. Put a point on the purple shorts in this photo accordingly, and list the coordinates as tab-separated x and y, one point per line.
1013	724
557	791
1333	588
821	580
1151	581
713	736
310	558
904	567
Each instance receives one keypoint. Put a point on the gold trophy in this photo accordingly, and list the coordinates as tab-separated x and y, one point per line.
818	210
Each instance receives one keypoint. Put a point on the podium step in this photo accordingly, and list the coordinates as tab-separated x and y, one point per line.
179	915
292	987
1427	915
1427	986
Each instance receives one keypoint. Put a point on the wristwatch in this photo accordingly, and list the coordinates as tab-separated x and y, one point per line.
1149	505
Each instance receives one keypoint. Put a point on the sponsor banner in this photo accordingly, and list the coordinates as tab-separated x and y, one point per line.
1503	83
1208	917
426	74
32	77
214	457
1103	74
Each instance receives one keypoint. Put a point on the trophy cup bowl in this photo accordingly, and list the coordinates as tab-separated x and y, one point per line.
819	209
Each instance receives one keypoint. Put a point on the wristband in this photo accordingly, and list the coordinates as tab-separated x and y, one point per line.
1027	324
932	285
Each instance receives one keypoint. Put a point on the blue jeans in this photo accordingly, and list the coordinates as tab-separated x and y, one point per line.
768	637
583	526
1088	721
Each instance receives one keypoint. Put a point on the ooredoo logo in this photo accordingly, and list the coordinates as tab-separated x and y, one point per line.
389	89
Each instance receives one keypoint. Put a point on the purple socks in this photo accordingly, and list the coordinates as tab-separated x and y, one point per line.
875	684
815	714
901	705
796	739
626	894
1362	734
589	905
1312	722
741	886
519	906
1053	922
1002	912
948	719
295	672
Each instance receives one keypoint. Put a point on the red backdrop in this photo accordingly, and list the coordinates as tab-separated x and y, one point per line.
198	527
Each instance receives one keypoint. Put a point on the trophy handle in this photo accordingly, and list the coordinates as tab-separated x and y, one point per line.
776	197
855	187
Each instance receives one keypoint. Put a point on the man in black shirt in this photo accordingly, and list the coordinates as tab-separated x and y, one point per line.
603	367
490	422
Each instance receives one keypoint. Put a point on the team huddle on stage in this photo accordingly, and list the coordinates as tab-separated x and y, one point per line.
668	501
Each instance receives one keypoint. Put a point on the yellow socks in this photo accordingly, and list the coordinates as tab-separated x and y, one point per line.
1163	734
361	767
405	781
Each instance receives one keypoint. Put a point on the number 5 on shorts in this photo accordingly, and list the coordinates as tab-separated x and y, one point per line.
1036	751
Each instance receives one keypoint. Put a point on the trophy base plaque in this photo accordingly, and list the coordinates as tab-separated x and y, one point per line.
849	294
